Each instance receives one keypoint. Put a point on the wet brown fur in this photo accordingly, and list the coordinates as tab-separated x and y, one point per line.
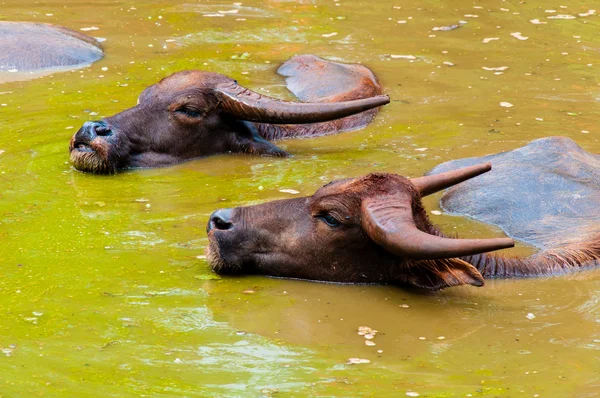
347	254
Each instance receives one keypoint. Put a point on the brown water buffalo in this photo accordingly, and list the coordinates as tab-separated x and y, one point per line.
33	47
553	199
373	229
192	114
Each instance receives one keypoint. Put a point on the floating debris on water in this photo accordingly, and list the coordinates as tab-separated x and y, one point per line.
406	305
9	350
357	361
587	14
506	104
330	34
441	338
537	22
496	69
530	316
518	35
489	39
291	191
446	28
412	394
398	56
90	28
422	338
448	63
561	16
369	343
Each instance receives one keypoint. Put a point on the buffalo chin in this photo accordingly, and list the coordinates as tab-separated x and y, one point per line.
90	161
91	157
221	265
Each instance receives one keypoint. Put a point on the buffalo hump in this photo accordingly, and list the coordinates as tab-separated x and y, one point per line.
30	47
546	193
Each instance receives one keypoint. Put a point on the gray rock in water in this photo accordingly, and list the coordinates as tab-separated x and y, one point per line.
546	193
32	47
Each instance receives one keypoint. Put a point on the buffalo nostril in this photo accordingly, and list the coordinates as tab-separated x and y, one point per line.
101	129
221	220
222	224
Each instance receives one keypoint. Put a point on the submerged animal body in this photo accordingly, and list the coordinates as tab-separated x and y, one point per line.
193	114
546	193
372	229
29	47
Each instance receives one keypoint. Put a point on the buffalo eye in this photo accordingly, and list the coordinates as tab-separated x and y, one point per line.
329	220
188	111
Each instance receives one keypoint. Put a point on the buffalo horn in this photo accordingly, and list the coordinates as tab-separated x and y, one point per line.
248	105
435	183
389	222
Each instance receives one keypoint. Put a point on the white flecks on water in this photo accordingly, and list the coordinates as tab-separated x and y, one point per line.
412	394
357	361
587	14
495	69
489	39
329	34
435	213
561	16
518	35
506	104
399	56
530	316
290	191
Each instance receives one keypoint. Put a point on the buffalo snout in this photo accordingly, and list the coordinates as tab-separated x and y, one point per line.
90	130
220	219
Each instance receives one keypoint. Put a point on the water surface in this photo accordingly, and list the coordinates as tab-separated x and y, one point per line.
103	287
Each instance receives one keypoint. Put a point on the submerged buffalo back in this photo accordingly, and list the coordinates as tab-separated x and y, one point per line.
26	47
313	79
546	193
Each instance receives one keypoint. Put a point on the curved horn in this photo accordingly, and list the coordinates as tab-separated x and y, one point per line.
389	222
435	183
253	107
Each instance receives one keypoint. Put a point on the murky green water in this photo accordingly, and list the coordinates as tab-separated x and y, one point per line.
103	288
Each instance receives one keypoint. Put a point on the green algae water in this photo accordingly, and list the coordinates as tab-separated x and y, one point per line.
104	290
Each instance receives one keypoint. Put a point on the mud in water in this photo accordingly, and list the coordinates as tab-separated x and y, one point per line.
104	288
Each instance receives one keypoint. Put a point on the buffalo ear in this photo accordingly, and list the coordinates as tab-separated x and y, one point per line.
440	274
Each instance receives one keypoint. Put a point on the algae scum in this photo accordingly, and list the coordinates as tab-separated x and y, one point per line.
103	286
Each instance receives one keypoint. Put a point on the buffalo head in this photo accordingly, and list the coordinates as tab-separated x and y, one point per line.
371	229
192	114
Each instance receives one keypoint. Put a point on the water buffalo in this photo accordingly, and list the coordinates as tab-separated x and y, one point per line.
373	229
33	47
553	199
192	114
